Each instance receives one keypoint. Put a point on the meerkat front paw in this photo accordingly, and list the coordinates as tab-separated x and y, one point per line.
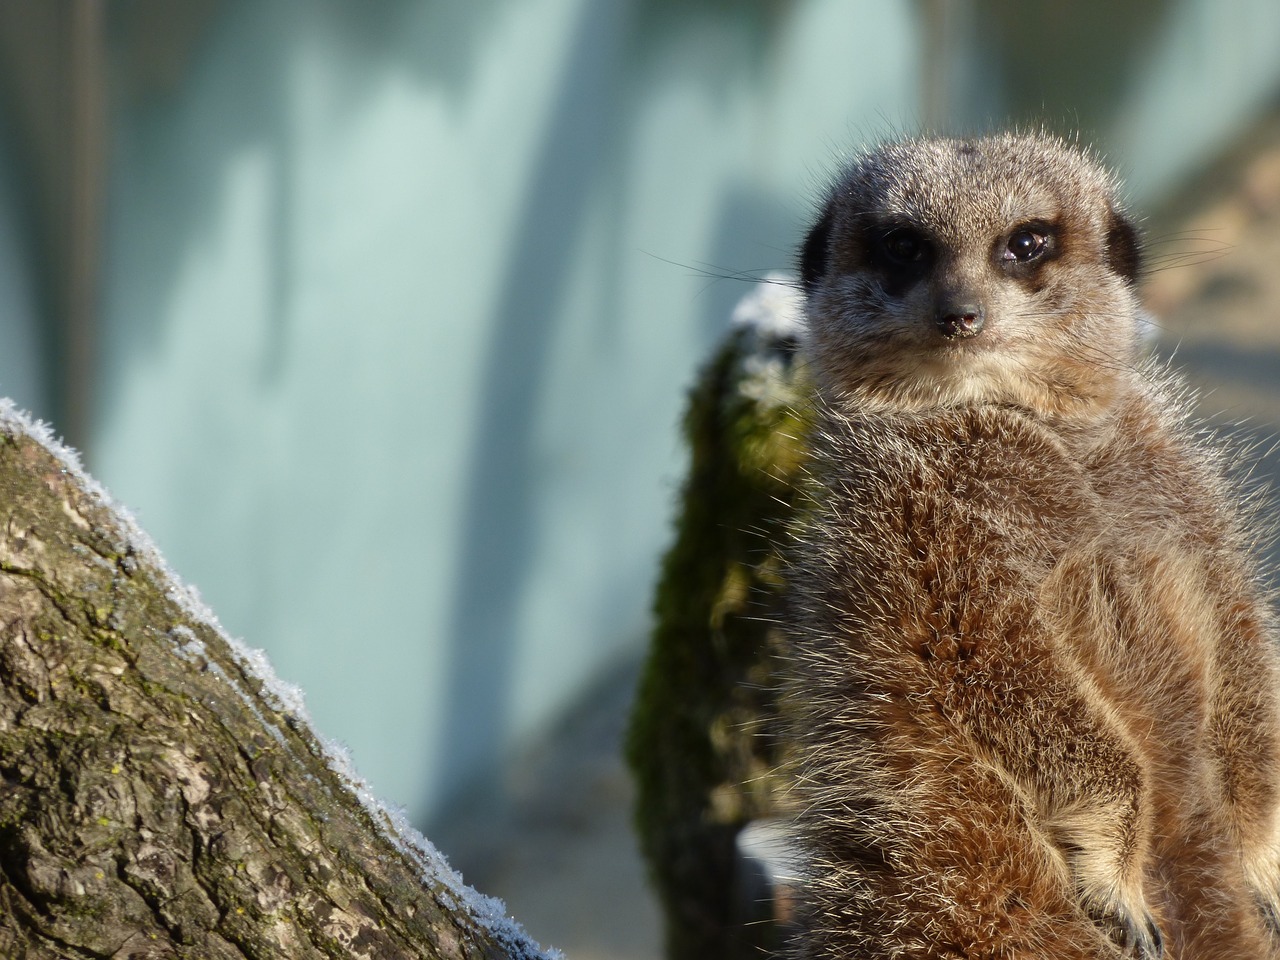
1265	884
1106	866
1270	911
1136	933
1262	871
1117	905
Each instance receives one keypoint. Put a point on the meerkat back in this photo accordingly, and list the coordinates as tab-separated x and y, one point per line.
1033	667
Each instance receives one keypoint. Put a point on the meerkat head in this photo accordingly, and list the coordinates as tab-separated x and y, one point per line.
995	270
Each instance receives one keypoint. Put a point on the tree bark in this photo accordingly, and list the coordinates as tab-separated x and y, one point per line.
705	742
162	795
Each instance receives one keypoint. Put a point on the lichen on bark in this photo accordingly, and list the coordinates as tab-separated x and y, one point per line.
159	797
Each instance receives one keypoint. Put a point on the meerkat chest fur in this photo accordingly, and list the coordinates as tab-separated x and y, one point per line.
1033	670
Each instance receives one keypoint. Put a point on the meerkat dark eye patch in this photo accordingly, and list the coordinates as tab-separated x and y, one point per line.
901	253
902	247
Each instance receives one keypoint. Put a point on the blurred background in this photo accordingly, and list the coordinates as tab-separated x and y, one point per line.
379	315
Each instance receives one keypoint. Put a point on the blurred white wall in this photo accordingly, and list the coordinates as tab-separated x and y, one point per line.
393	357
23	373
400	299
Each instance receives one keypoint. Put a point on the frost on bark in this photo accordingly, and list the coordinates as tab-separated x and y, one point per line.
161	794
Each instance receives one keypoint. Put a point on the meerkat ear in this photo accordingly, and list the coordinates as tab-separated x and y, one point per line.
814	253
1124	247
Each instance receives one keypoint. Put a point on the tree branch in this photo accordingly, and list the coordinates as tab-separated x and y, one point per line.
162	794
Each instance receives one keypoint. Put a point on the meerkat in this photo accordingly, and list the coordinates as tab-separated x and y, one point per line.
1033	666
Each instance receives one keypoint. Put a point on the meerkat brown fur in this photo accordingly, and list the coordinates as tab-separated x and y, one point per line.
1033	665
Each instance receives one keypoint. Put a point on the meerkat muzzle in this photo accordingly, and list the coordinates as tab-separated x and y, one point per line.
960	323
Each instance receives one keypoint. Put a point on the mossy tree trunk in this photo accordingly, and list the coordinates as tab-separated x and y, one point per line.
160	794
704	741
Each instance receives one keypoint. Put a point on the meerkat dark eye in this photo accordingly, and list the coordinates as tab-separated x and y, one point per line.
1026	245
903	246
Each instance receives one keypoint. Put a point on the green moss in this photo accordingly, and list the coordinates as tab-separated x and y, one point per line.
701	743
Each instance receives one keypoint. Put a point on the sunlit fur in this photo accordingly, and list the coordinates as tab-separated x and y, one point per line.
1034	672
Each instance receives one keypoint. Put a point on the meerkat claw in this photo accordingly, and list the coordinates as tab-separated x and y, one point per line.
1137	934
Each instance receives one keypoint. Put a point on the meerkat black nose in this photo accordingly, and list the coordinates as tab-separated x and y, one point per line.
960	322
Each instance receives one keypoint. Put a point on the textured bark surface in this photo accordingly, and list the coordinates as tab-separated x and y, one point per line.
160	794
